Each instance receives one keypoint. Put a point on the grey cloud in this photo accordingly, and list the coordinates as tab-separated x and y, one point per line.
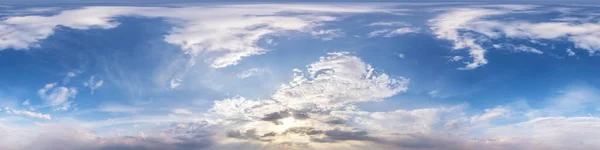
300	116
248	134
303	130
336	121
276	116
340	135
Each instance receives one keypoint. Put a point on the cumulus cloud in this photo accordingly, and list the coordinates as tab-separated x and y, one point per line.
57	96
318	109
93	84
228	37
314	107
455	58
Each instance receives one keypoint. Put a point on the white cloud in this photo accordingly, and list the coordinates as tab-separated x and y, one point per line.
550	133
318	110
409	121
447	26
27	113
393	32
174	83
26	103
401	55
119	109
227	32
378	32
571	101
392	23
310	103
57	96
455	58
570	52
327	34
181	111
248	73
454	25
92	84
337	79
490	114
67	78
434	93
517	48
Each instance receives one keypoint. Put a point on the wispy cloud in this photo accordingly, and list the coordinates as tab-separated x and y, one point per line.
27	113
93	84
229	37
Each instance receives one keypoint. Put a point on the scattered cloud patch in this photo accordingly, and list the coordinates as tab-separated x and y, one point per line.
327	34
459	25
248	73
119	109
393	32
181	111
228	37
401	55
517	48
68	77
174	83
312	106
455	58
570	52
93	84
393	23
57	96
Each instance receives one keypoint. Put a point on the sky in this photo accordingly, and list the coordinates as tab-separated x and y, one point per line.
266	75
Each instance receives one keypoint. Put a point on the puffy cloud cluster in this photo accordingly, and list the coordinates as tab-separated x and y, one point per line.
318	105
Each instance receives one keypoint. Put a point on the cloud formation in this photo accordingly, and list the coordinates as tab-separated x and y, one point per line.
93	84
226	32
27	113
321	106
57	97
468	28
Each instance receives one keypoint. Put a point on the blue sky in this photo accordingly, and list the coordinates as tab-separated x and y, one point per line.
299	75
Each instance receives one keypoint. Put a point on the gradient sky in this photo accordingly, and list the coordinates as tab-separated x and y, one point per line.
396	75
